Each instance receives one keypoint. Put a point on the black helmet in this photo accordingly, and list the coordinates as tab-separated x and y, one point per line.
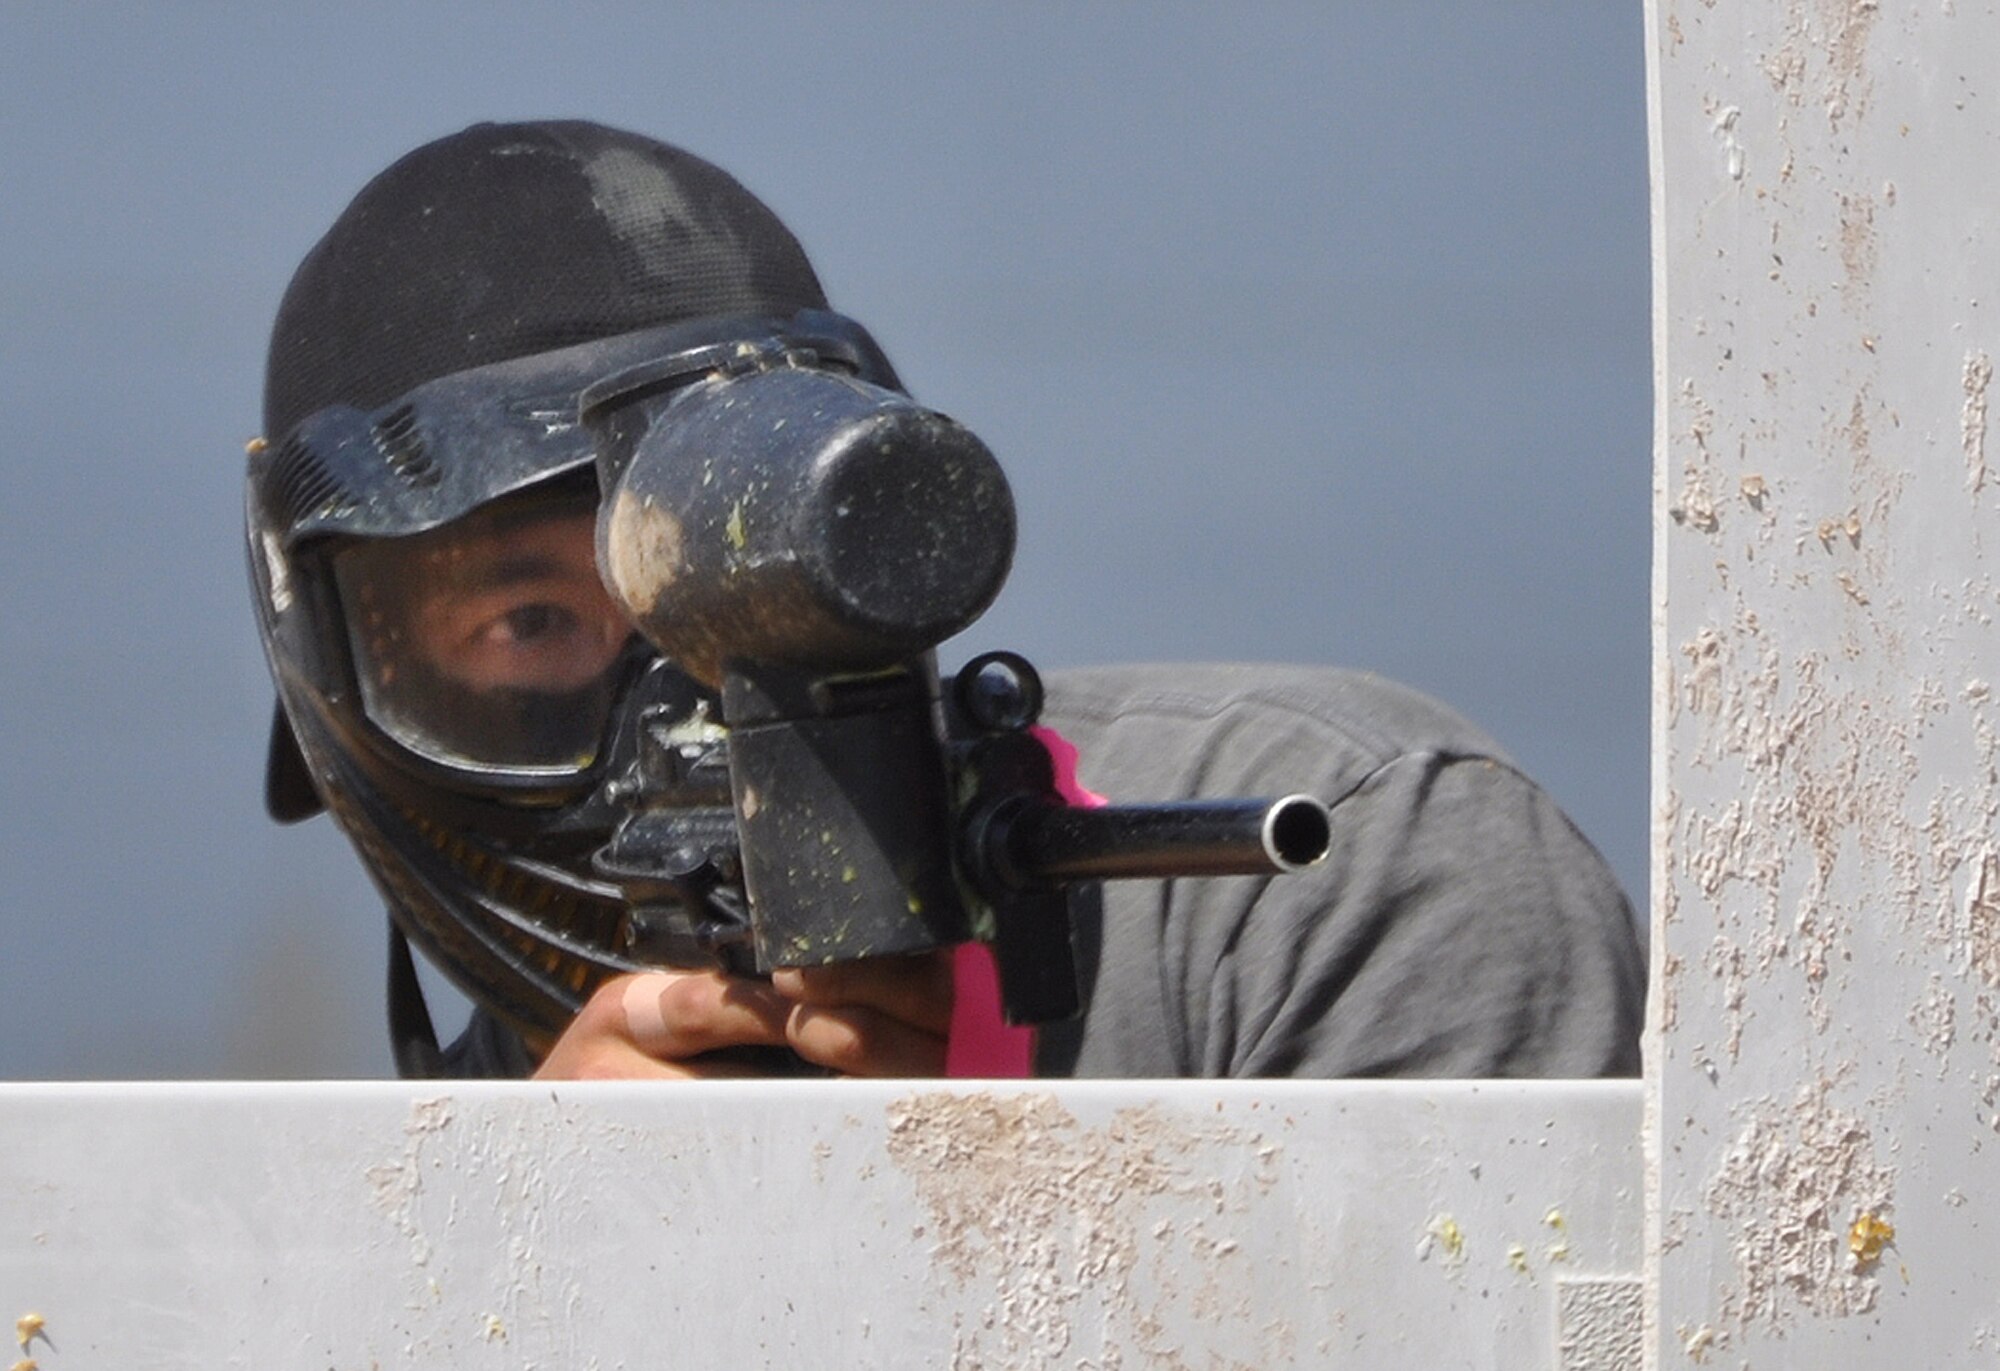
421	396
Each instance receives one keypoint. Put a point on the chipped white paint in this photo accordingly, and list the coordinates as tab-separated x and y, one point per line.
824	1224
1824	1053
1972	420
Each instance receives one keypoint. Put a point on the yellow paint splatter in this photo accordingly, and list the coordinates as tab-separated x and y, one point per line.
25	1364
27	1328
1517	1259
1558	1250
1867	1237
1449	1236
735	530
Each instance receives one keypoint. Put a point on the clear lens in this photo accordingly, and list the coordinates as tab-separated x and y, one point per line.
491	642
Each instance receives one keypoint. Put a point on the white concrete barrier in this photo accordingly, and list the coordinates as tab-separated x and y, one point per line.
823	1224
1825	1060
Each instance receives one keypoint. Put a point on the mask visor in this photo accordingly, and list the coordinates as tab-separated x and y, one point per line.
489	643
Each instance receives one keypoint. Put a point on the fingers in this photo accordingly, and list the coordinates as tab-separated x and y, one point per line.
864	1042
674	1015
885	1017
660	1025
917	990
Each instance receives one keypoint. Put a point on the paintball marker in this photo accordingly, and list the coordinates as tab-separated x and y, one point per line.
798	540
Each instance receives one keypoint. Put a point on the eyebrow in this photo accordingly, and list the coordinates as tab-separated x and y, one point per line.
518	568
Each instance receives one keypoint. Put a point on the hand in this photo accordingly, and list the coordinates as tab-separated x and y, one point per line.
884	1017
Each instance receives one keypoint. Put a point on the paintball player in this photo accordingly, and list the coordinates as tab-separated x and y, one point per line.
461	686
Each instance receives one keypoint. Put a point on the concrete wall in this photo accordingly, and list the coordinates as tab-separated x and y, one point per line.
1824	1110
830	1224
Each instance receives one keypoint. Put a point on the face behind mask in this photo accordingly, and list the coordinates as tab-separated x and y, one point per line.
490	642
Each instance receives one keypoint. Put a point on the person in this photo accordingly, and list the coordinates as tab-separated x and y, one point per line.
459	689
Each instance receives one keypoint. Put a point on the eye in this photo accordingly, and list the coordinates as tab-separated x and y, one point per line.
551	638
534	623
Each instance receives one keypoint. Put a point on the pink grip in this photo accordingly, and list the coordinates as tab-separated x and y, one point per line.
983	1045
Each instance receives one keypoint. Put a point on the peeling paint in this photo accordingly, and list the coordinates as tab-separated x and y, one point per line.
1858	257
1703	681
1829	39
1696	506
528	1175
1827	775
1935	1018
1055	1218
395	1185
1698	1342
1671	967
1982	918
1725	133
1975	378
1787	1185
1727	963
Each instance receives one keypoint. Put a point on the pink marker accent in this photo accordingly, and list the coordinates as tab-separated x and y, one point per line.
982	1044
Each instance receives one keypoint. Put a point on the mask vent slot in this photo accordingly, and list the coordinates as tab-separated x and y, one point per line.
305	488
402	447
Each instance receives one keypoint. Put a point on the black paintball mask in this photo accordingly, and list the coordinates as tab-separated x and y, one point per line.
534	783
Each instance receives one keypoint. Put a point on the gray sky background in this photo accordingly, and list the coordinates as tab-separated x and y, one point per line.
1305	332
